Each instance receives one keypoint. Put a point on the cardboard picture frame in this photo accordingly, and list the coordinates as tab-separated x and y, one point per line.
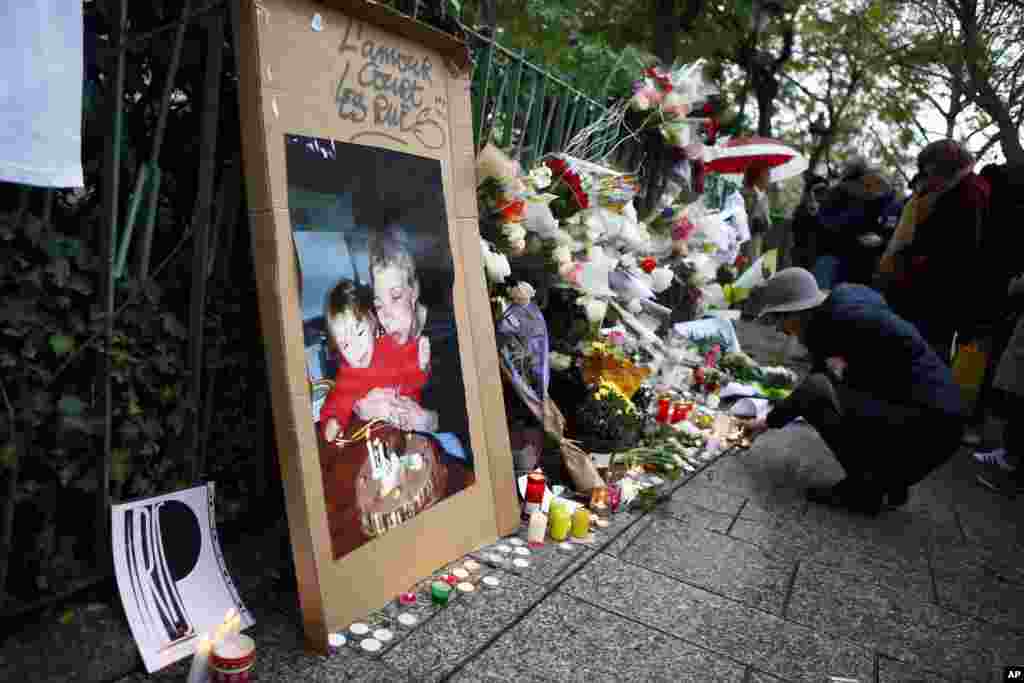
297	60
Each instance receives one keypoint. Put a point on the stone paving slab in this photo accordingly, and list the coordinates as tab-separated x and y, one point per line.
467	624
765	498
857	607
903	568
564	639
762	640
712	561
895	671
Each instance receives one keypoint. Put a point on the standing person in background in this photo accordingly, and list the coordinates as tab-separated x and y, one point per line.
943	260
1007	462
756	179
850	239
805	222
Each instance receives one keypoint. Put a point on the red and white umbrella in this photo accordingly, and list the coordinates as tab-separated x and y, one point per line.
737	155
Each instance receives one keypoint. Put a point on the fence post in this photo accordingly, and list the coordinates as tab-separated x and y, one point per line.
111	204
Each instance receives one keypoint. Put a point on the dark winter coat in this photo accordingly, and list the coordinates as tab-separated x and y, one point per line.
885	355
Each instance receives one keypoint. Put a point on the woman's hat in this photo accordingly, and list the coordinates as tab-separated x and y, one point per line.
790	290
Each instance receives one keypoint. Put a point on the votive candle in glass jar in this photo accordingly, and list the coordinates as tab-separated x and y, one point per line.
535	485
561	522
581	523
538	528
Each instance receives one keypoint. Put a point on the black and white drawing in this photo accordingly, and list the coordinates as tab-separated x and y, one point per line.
171	573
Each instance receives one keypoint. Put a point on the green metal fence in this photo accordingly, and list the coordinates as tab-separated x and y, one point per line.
524	109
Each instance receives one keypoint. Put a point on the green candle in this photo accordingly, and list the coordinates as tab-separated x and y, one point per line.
440	591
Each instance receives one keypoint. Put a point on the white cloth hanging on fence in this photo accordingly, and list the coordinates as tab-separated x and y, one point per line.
41	66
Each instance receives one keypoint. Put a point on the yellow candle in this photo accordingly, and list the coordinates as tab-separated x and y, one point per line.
581	523
561	521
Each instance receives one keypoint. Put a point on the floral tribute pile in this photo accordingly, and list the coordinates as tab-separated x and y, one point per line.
568	230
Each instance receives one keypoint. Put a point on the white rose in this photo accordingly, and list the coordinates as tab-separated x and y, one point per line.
662	278
522	293
636	307
561	254
595	309
497	266
540	177
539	219
514	232
627	261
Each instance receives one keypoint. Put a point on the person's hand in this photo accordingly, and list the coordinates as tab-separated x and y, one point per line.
837	366
378	404
331	429
410	415
754	428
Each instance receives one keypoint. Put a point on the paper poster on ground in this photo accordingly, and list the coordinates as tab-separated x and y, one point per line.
171	573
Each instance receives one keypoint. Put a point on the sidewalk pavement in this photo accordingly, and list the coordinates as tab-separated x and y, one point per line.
734	578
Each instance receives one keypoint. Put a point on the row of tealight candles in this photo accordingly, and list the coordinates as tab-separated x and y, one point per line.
199	672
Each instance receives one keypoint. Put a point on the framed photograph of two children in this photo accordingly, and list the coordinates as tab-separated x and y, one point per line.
361	186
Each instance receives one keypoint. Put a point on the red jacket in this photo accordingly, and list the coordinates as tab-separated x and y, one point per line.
393	367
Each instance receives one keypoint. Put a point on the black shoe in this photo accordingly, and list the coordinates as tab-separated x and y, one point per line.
854	497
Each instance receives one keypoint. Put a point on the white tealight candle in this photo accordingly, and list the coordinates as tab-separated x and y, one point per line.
472	566
359	629
491	581
460	573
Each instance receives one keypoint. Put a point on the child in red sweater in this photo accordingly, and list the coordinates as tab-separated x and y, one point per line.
370	360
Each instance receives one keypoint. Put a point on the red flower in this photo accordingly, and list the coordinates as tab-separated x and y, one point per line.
557	166
513	211
741	261
648	264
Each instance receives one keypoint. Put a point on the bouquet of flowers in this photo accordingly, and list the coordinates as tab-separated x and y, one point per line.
569	185
607	364
607	419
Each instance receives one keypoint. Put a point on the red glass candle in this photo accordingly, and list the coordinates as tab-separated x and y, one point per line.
664	410
535	485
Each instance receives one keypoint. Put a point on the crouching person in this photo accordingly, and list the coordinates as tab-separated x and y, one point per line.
882	400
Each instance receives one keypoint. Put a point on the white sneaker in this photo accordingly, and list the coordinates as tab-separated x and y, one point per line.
996	457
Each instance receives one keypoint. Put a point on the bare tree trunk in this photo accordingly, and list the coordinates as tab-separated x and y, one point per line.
214	25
